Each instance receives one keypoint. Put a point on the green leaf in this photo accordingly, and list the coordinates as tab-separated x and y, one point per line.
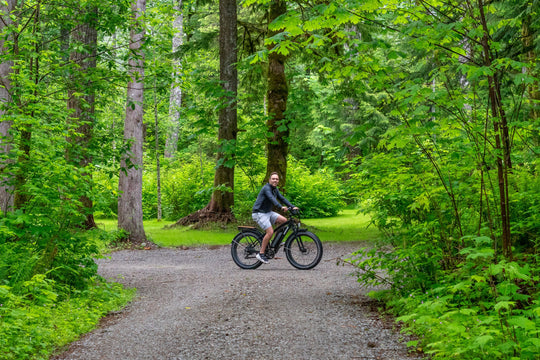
522	322
504	305
481	341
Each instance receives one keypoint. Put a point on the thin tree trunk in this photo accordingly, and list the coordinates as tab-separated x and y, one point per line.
175	102
6	140
130	214
534	88
158	164
277	147
82	107
502	140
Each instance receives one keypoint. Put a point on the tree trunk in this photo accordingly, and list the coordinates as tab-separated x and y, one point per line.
82	107
6	140
25	141
223	199
130	214
158	164
530	58
175	101
502	139
277	146
219	208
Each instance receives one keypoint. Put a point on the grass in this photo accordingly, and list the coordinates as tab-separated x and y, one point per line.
347	226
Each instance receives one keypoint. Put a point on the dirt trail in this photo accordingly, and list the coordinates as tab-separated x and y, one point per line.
197	304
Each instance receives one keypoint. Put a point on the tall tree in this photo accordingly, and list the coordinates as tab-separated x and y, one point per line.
6	68
223	195
81	97
277	147
130	214
219	209
175	101
25	139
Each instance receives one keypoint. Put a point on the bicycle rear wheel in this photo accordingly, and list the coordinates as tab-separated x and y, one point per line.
304	251
244	248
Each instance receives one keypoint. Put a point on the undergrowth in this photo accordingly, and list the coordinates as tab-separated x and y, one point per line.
34	323
486	309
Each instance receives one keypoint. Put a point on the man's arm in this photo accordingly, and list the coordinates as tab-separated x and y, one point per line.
284	200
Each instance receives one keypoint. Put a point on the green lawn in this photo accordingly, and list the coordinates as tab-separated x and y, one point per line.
348	226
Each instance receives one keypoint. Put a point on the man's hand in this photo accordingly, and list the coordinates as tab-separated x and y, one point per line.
284	208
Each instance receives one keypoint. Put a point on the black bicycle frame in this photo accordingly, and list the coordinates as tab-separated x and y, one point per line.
281	231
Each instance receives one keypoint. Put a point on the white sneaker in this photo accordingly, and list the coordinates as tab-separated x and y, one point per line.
261	258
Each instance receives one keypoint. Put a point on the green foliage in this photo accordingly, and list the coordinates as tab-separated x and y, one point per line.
186	187
435	174
488	309
35	323
317	194
44	238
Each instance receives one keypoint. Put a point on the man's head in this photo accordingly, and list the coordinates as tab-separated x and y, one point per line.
274	179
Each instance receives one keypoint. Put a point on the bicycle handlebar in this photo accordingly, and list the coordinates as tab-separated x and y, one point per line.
294	211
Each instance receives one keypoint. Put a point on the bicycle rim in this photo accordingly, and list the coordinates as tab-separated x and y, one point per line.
304	251
244	248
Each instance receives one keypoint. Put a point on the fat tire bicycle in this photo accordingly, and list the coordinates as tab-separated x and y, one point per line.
303	248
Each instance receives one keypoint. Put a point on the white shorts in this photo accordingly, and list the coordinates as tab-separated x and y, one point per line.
265	220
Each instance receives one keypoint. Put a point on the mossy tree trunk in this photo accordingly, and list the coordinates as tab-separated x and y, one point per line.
81	100
277	147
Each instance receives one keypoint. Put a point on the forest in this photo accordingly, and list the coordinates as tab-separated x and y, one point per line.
424	115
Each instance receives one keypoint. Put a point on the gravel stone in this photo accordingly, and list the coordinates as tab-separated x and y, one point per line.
197	304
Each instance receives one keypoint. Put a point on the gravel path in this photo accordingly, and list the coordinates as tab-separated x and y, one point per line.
197	304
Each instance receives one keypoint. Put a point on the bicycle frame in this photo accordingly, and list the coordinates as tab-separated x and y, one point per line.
281	231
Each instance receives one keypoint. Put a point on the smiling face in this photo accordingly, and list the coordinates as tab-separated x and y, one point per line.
274	180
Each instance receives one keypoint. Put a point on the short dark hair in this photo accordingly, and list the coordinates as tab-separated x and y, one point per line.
274	173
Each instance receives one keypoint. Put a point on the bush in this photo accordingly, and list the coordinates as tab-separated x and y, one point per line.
185	187
317	194
35	322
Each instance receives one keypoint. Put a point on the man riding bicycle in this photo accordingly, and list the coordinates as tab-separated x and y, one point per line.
264	216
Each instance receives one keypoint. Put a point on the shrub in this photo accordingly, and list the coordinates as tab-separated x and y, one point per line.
185	186
35	322
317	194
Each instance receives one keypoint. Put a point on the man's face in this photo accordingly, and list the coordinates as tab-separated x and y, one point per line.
274	180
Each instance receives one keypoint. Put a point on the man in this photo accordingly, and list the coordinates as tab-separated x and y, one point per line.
264	216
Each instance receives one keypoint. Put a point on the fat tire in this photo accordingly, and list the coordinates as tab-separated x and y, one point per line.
244	247
313	250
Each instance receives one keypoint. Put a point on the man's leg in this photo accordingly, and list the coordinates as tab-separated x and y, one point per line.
266	239
280	220
270	231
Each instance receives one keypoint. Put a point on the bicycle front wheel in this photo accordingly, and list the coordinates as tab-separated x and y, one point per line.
244	248
304	251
